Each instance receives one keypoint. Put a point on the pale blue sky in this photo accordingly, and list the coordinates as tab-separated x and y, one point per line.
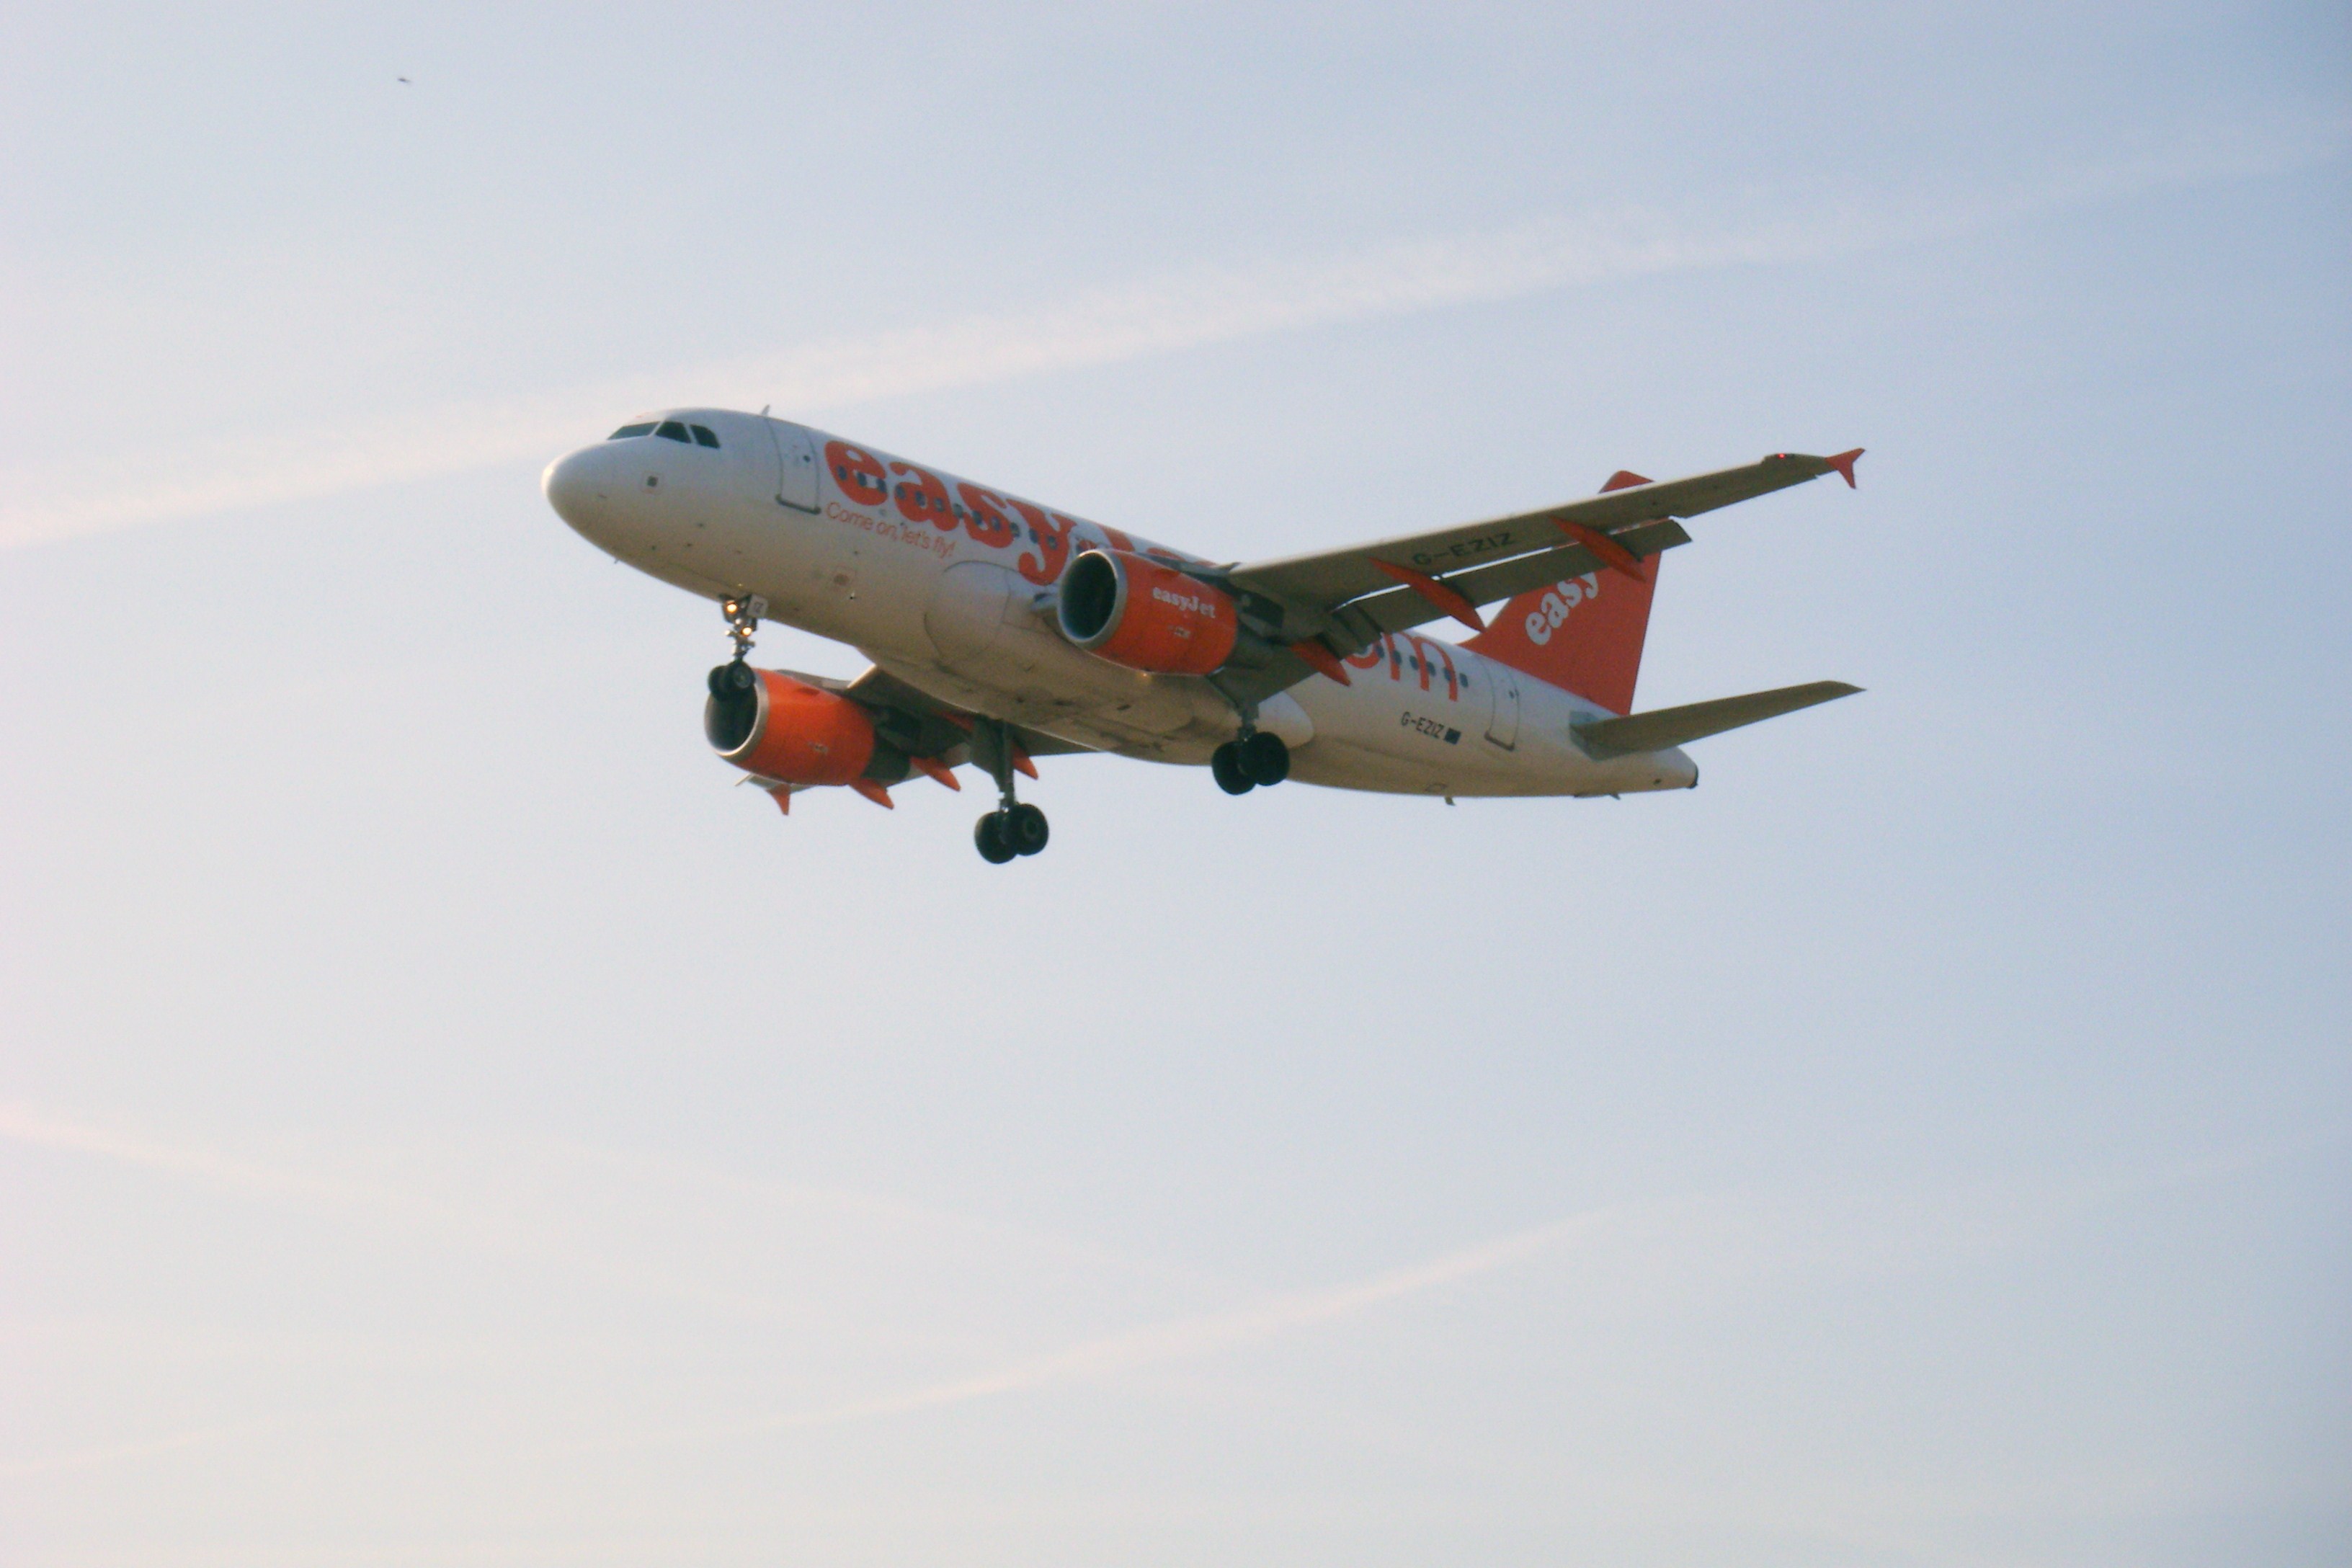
444	1123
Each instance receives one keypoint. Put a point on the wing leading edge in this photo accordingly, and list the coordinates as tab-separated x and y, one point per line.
1655	732
1341	601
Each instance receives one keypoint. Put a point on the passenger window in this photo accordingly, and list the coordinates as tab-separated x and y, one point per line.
703	436
646	429
671	429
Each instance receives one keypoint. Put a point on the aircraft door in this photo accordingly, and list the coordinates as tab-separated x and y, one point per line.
1503	723
796	465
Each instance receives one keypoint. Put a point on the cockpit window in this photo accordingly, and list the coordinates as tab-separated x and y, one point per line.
673	429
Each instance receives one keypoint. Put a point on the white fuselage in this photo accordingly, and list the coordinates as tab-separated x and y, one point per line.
959	600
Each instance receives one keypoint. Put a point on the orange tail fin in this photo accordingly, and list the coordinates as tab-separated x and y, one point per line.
1584	634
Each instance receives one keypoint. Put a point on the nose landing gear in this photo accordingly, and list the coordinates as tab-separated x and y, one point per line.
742	619
1011	829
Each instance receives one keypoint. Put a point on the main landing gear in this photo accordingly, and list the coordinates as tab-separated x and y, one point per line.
1011	829
1259	757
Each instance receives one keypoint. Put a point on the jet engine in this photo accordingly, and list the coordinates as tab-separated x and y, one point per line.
1132	610
778	727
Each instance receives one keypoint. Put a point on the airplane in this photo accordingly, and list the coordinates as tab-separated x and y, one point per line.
999	630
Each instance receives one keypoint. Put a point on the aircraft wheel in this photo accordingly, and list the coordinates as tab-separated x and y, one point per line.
988	835
1264	759
1025	829
1225	762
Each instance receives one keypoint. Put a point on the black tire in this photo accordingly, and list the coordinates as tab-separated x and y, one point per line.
988	837
1225	762
1264	759
1025	829
719	685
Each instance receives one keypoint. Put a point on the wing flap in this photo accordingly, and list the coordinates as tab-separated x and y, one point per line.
1401	609
1668	727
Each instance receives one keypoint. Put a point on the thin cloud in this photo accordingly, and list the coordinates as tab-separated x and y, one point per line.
493	1200
1180	1338
146	1448
1147	318
1803	1233
1137	321
1702	1238
210	1168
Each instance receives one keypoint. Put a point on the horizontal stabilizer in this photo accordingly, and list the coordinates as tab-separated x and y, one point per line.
1607	738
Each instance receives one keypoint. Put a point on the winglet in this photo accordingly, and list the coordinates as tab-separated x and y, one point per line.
1450	600
1842	466
1624	479
1322	659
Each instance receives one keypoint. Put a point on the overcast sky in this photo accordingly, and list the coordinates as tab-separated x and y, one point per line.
442	1122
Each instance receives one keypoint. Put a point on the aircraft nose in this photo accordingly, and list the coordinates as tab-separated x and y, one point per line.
577	486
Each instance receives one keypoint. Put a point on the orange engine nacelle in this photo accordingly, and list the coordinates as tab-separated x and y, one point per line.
780	728
1132	610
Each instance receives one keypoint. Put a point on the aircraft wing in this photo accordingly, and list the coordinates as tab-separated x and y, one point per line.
1329	578
920	724
1344	599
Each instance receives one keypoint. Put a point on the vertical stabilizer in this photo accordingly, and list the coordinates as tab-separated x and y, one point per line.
1582	634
